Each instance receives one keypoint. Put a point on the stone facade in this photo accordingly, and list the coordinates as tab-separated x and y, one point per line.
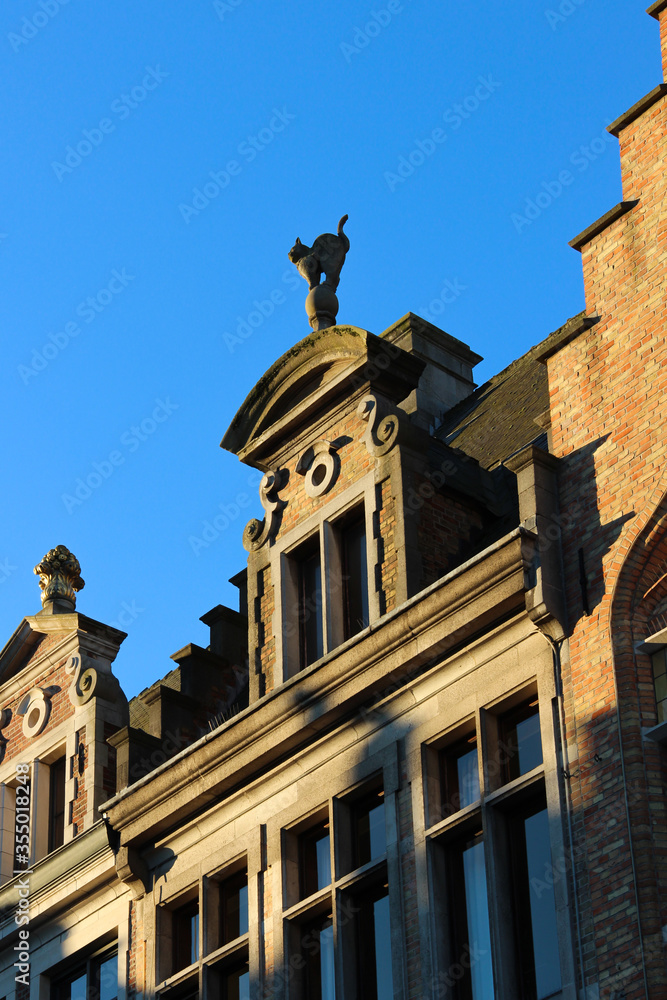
425	757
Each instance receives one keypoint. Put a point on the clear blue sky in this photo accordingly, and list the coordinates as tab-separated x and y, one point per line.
114	113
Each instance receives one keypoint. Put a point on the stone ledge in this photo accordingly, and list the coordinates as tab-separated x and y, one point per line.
637	109
598	227
656	9
573	329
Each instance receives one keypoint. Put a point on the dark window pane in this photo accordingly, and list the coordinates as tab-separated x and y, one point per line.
107	978
318	953
57	804
459	776
78	988
355	578
522	750
236	984
374	947
370	840
535	907
234	907
310	609
185	936
315	860
470	919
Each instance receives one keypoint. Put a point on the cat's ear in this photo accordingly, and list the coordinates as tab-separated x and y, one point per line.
298	241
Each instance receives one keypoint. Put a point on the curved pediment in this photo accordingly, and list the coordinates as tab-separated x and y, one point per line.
307	375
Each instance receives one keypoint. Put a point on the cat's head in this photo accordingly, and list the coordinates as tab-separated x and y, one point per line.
298	251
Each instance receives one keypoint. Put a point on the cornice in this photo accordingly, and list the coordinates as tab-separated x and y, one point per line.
631	115
422	630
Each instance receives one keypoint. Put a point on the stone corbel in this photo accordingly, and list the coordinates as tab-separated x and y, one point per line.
35	707
257	533
132	870
319	465
383	425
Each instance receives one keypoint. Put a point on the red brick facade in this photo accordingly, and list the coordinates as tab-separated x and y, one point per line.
608	389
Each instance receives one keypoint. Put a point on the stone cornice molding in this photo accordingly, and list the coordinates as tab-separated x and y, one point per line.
421	631
312	375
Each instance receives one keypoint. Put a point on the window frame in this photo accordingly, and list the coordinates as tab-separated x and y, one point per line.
500	802
348	885
324	528
72	968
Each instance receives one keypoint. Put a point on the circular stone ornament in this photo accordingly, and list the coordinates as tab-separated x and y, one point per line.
35	709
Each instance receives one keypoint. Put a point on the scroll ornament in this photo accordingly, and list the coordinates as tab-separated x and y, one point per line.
85	681
383	426
319	464
35	707
257	533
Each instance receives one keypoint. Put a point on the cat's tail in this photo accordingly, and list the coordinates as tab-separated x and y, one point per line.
341	224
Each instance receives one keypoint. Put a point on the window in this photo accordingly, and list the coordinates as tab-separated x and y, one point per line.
354	575
92	979
343	907
490	815
57	804
203	938
311	636
659	663
233	907
185	936
178	948
315	860
325	590
535	910
520	730
459	775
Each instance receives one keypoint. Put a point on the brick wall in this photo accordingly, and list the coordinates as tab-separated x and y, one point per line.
18	746
79	803
136	953
447	531
607	392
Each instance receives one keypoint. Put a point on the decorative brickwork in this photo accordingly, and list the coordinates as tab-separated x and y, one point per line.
266	640
388	556
80	803
347	432
447	531
20	747
607	389
136	953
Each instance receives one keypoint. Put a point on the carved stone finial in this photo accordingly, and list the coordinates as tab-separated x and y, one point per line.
60	577
326	256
